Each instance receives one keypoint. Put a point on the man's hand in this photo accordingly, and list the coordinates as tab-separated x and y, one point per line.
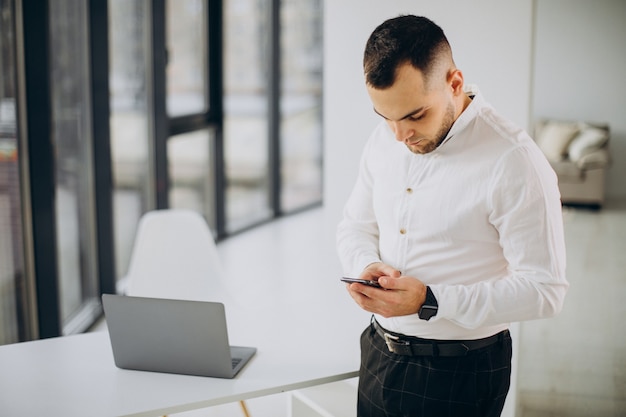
400	296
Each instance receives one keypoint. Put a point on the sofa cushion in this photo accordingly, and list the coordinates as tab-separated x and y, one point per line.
588	140
554	138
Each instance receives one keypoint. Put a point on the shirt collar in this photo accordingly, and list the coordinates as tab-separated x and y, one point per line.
469	113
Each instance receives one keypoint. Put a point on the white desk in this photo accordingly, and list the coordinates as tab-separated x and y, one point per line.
75	375
282	295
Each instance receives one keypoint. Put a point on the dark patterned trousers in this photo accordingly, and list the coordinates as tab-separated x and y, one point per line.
392	385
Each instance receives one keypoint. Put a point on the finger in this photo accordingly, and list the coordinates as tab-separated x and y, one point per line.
393	272
361	289
390	283
380	269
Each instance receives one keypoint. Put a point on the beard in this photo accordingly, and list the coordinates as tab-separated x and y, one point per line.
427	145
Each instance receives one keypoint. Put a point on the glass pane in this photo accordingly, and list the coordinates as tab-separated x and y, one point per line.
245	112
71	135
191	173
301	103
130	135
12	280
186	47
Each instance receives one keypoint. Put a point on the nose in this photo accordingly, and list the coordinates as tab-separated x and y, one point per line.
401	130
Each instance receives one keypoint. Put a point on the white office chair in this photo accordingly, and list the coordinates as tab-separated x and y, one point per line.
174	256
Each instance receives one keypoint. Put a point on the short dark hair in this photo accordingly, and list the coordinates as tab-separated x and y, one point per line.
413	39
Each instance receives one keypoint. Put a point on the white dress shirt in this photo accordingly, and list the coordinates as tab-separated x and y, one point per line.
478	220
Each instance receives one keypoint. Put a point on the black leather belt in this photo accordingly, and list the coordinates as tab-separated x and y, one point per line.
405	345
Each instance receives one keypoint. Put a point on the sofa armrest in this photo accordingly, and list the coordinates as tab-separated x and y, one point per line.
596	159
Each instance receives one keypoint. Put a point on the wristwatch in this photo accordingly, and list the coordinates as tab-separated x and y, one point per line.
430	307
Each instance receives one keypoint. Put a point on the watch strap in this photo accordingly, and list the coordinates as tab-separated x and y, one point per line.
430	307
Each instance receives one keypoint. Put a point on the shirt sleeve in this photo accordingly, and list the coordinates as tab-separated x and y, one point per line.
525	209
357	233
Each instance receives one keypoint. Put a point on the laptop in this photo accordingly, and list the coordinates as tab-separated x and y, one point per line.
172	336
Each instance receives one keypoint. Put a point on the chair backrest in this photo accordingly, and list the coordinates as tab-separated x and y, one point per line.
174	256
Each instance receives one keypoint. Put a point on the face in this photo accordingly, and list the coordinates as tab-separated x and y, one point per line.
419	117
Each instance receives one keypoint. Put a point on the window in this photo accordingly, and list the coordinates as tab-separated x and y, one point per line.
191	172
246	112
301	103
187	50
135	105
13	285
73	161
130	121
272	108
190	149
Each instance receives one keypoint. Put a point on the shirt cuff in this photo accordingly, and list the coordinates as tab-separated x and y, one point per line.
447	300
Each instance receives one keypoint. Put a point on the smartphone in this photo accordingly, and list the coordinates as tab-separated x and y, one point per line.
369	282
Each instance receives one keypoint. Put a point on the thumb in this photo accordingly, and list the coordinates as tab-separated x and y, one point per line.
389	281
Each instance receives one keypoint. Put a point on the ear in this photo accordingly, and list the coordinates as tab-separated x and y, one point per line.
455	81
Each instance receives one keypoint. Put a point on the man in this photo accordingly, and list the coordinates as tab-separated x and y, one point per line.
458	219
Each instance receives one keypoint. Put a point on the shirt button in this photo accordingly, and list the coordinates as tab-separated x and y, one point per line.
409	190
403	231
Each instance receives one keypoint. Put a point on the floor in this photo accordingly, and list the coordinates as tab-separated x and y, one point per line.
575	364
571	365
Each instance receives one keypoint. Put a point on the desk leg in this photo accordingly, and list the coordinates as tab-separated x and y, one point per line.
244	408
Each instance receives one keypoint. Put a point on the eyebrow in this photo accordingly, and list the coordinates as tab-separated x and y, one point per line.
412	113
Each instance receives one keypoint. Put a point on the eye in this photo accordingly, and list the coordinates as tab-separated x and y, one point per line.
417	118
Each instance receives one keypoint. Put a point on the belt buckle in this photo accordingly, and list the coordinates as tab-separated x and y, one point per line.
389	338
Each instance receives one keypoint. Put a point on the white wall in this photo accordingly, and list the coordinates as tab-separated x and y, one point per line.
579	70
492	45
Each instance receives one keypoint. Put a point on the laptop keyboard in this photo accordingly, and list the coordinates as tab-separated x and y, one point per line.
235	362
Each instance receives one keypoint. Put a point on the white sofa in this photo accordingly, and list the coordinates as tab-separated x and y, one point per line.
579	153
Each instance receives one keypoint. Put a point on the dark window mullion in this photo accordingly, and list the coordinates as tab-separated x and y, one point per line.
214	65
160	125
41	164
274	108
188	123
103	177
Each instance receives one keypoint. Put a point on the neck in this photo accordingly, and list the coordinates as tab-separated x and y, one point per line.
465	101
